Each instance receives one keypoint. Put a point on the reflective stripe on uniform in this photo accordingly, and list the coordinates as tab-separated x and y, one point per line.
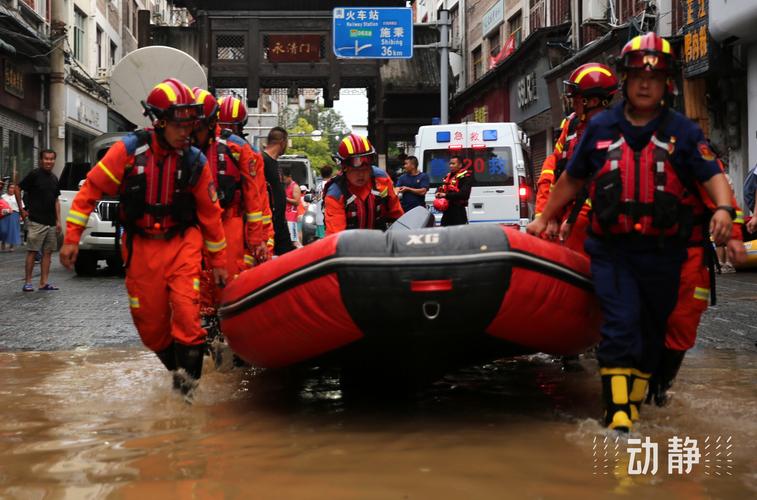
266	219
547	171
108	173
196	284
254	216
739	217
133	302
249	260
702	293
215	246
77	218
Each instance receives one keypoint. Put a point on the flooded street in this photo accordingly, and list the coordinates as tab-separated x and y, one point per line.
97	419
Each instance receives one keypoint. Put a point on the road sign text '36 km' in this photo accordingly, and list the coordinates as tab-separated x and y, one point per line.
373	33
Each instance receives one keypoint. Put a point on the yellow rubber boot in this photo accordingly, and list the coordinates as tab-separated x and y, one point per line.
615	393
639	384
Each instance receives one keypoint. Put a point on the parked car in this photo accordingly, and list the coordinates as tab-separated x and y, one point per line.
98	242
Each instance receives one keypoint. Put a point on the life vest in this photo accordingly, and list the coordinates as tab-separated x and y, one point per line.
226	173
371	213
571	141
155	197
640	192
451	184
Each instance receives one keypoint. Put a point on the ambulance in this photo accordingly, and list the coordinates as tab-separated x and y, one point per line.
497	153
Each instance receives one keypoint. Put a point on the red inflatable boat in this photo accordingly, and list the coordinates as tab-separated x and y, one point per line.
436	297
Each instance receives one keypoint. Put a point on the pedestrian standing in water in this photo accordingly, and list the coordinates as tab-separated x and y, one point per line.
638	235
169	210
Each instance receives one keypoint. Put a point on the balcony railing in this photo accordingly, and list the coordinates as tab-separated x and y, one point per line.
538	16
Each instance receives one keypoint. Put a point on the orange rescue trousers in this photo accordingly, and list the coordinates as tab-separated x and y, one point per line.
210	293
693	298
163	282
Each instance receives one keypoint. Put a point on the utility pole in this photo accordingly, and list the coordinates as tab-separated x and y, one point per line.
444	66
57	102
443	46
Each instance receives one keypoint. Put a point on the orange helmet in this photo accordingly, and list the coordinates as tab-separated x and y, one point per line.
649	52
208	103
171	101
232	112
591	80
355	150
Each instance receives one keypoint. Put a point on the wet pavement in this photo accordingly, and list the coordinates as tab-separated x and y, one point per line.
89	413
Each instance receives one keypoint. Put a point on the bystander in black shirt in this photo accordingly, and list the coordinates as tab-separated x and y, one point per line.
40	192
282	242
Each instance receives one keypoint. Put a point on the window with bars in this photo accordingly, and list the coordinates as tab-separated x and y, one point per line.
515	25
230	47
478	67
538	15
79	32
495	44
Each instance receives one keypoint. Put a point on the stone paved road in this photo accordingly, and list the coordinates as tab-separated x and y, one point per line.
93	312
90	312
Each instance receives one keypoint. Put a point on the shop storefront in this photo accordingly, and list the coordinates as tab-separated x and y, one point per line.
86	118
530	106
21	121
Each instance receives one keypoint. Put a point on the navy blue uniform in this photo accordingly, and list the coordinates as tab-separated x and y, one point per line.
637	279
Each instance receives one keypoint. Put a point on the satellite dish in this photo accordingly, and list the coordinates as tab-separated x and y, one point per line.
136	74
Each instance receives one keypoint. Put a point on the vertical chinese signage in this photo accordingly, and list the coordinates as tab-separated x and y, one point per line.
13	80
696	39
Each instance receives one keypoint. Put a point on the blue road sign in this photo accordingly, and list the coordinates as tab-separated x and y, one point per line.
373	33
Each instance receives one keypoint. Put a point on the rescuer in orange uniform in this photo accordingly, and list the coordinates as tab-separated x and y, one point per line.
362	196
169	211
694	291
590	88
232	116
236	192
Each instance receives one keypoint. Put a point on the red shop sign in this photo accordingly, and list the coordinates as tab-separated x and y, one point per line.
293	48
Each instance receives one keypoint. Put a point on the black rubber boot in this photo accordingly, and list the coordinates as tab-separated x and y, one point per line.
662	379
615	393
168	357
189	359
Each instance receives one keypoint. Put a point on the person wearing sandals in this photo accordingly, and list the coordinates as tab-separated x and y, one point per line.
41	193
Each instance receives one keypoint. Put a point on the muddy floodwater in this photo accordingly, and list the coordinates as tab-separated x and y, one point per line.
104	423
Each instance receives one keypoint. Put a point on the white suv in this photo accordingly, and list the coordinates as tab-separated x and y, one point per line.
98	242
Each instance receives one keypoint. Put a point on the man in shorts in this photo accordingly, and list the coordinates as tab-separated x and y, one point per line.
41	193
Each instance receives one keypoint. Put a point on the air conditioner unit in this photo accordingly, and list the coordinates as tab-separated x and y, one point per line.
594	9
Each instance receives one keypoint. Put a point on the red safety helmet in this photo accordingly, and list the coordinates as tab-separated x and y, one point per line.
591	80
441	204
355	151
171	100
208	103
232	112
649	52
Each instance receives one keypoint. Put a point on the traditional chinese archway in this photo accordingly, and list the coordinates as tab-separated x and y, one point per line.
256	44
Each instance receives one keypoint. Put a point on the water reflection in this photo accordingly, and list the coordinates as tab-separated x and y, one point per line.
105	423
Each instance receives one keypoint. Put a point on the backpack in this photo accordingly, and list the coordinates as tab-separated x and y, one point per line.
750	187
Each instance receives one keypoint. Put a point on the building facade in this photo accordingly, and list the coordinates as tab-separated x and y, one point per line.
24	56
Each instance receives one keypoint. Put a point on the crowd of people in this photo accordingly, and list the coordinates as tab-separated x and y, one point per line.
638	188
633	185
